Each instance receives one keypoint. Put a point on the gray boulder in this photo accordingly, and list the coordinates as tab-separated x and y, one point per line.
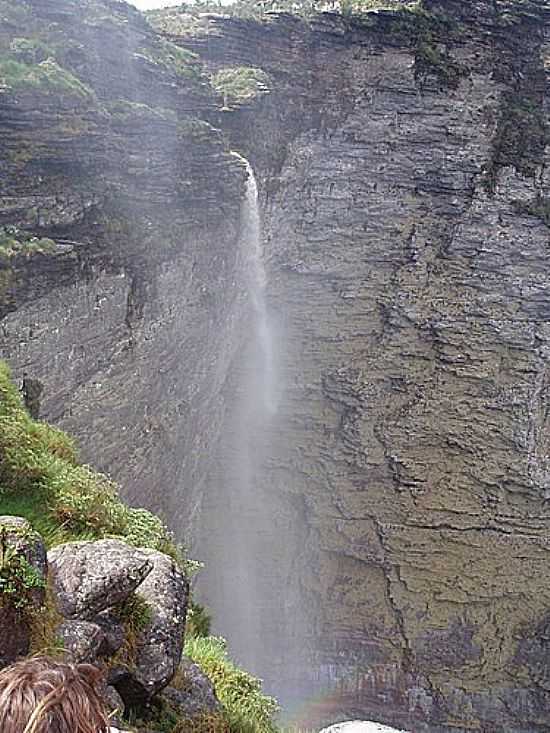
113	631
114	705
89	577
20	549
165	590
82	639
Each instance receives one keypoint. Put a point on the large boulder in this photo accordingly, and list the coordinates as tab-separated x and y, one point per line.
22	584
165	590
89	577
113	630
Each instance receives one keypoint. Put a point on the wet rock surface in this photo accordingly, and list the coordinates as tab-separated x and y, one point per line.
94	163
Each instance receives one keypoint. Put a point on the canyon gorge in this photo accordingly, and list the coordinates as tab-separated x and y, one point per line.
353	313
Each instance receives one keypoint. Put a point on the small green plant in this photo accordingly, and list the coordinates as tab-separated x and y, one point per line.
179	61
41	479
47	75
15	241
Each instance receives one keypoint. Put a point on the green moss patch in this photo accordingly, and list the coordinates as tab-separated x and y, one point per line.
15	241
179	61
521	138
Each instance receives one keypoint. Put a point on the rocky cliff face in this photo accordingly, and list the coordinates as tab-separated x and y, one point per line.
406	211
402	512
124	325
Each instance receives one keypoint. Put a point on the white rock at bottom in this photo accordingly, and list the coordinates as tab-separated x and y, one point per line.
360	726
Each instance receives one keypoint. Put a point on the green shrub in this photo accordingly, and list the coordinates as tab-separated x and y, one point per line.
247	708
198	621
240	84
14	241
18	578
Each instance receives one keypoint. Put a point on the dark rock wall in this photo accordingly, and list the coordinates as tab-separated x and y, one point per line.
405	196
130	323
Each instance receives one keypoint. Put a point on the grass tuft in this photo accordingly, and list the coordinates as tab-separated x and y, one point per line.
248	709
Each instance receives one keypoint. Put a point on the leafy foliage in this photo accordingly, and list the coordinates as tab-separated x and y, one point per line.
198	621
185	19
18	578
179	61
248	709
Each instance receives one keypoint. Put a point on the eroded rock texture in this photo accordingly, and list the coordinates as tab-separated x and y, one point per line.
401	520
125	328
406	220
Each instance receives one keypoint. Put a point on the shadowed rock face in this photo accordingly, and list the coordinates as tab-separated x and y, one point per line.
129	323
405	200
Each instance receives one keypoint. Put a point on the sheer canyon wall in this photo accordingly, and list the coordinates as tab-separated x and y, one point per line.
401	160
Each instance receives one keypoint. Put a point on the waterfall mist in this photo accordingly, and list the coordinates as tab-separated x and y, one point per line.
251	532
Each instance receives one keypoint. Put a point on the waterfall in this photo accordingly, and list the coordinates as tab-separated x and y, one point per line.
236	525
251	239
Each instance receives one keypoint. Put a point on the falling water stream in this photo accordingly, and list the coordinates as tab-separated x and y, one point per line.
236	532
251	237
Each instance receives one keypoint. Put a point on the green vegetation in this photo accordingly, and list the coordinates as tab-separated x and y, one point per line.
522	135
41	480
538	207
198	621
240	85
164	718
123	110
18	578
179	61
14	241
134	614
46	75
185	18
248	710
30	50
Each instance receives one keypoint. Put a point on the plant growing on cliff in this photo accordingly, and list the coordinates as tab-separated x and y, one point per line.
247	708
14	241
41	479
47	75
240	85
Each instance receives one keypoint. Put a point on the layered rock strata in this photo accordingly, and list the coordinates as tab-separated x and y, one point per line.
125	322
405	200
